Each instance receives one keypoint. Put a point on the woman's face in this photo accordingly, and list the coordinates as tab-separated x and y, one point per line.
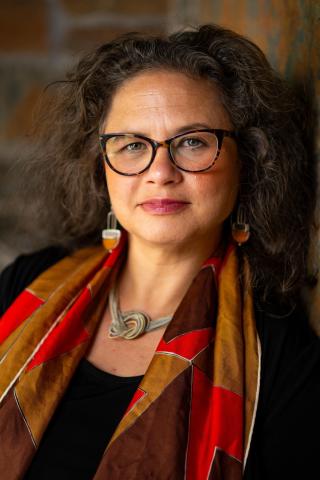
160	104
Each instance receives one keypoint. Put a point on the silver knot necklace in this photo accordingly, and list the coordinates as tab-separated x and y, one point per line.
131	324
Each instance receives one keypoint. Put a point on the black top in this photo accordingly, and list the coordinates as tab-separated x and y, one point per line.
284	443
83	424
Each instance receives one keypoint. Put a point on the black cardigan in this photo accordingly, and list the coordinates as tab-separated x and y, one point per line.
284	444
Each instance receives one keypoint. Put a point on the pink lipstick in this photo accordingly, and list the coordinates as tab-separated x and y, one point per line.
162	206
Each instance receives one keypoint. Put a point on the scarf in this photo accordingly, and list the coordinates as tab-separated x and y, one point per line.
193	413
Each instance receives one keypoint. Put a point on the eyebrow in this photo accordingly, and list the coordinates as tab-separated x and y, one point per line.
184	128
191	126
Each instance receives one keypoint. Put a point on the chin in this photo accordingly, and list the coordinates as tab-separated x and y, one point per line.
162	236
166	238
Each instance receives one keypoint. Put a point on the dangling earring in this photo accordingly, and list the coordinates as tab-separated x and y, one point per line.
111	235
240	228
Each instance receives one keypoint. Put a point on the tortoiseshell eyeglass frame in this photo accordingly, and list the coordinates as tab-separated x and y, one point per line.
218	132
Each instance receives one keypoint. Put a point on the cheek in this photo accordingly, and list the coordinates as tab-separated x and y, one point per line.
113	184
112	187
216	192
212	186
121	191
227	180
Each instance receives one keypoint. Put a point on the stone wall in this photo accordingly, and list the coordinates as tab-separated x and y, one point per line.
39	39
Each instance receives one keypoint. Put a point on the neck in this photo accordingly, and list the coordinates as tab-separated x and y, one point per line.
155	279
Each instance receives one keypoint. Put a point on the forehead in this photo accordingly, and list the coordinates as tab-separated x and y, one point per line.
171	97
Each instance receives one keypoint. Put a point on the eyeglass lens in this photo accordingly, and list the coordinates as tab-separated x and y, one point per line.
131	154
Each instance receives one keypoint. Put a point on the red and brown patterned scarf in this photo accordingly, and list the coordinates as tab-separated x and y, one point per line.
192	415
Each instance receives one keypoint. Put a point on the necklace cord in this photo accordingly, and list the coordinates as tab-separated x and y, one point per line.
132	323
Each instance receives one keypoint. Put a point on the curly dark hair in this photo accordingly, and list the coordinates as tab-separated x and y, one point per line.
277	186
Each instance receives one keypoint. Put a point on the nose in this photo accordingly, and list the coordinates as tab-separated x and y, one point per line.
162	170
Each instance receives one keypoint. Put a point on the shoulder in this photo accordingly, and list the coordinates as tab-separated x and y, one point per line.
284	332
289	348
19	274
288	407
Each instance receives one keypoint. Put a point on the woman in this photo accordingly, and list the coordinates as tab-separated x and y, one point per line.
182	349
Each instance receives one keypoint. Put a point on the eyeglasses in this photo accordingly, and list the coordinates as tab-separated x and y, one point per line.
194	151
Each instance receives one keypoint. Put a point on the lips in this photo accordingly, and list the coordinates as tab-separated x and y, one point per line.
163	205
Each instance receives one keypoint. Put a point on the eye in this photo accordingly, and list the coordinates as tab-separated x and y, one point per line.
134	147
192	143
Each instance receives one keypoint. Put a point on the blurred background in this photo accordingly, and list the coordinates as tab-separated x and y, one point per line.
40	39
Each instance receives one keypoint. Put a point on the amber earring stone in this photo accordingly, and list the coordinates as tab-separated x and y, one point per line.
240	232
